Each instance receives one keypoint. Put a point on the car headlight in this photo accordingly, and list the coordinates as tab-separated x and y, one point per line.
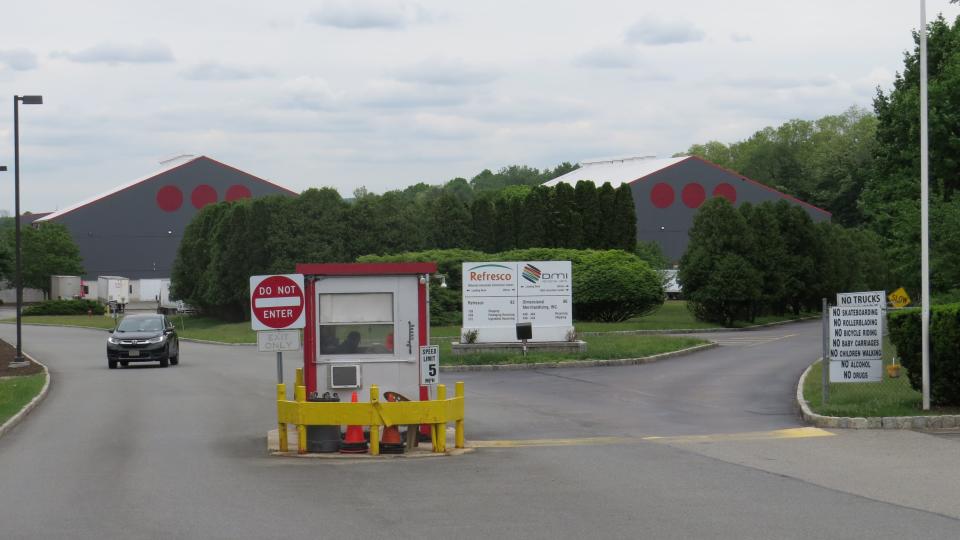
112	340
158	339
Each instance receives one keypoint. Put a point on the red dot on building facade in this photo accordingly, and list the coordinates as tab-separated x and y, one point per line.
238	191
693	195
661	195
726	191
169	198
203	195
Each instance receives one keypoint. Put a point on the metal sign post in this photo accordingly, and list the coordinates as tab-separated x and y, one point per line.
825	359
279	367
279	341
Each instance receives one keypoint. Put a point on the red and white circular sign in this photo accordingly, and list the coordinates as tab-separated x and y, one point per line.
276	302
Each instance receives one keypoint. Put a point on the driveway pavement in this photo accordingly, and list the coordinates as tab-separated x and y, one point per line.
702	446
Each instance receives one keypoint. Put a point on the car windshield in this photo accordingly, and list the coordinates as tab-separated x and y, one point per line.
141	324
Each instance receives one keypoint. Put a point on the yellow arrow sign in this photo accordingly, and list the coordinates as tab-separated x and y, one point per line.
899	298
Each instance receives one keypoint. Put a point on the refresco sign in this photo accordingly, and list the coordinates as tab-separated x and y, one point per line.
490	279
498	295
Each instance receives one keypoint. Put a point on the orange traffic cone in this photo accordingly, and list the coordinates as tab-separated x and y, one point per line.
390	441
354	443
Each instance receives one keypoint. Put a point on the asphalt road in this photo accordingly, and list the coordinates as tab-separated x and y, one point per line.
683	448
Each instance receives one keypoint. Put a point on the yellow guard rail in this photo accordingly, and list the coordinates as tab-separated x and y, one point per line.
436	413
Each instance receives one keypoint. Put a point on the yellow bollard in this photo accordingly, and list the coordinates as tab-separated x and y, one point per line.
374	430
299	376
441	428
282	426
459	437
300	395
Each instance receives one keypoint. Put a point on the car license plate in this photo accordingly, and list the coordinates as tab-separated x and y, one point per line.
133	353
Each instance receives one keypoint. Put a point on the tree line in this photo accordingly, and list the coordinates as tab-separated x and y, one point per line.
230	241
864	166
770	259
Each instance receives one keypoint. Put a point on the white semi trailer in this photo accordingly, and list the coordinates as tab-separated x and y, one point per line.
113	290
65	287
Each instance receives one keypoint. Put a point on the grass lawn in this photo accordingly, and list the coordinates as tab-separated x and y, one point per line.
15	392
889	397
598	348
672	315
205	328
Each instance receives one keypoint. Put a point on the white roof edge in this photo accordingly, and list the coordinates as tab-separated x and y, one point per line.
616	170
167	165
612	159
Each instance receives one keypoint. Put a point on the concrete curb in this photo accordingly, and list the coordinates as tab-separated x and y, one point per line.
946	421
209	342
578	363
17	418
699	330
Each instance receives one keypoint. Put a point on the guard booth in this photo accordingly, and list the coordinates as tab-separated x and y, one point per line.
365	325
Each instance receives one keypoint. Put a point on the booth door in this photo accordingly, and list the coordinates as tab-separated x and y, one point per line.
367	319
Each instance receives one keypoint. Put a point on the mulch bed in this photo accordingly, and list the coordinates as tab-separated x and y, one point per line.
7	354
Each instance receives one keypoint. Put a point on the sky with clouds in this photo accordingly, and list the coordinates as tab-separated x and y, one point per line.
387	93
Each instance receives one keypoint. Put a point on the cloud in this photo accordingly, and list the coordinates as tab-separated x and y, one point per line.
147	52
446	72
400	95
311	93
608	58
367	14
18	59
777	82
738	37
214	71
652	30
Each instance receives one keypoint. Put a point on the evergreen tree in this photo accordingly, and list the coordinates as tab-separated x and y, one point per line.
535	219
484	225
624	219
606	233
585	197
566	225
718	280
452	224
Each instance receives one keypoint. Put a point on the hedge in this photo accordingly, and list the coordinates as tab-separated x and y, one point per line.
905	334
610	285
65	307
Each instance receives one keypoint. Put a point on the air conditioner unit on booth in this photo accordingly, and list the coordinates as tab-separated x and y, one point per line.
344	376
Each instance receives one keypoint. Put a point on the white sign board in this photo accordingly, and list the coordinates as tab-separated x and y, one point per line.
498	295
429	365
278	340
277	302
856	337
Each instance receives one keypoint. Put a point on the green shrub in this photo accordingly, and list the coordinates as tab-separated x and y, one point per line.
613	286
65	307
905	334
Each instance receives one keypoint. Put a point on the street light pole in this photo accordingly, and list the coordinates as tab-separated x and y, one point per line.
19	361
924	218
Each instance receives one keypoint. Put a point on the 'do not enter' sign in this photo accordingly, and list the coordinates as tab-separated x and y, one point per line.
276	302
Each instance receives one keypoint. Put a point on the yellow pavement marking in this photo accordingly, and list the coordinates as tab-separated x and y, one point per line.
750	341
584	441
793	433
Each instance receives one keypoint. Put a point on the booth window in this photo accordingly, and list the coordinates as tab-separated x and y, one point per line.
356	323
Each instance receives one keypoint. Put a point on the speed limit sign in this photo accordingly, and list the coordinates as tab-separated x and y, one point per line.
429	365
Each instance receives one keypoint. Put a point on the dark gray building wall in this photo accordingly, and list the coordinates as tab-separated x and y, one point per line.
135	232
668	224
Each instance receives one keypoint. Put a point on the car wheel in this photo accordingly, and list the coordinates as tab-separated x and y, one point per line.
112	364
175	360
164	361
124	364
